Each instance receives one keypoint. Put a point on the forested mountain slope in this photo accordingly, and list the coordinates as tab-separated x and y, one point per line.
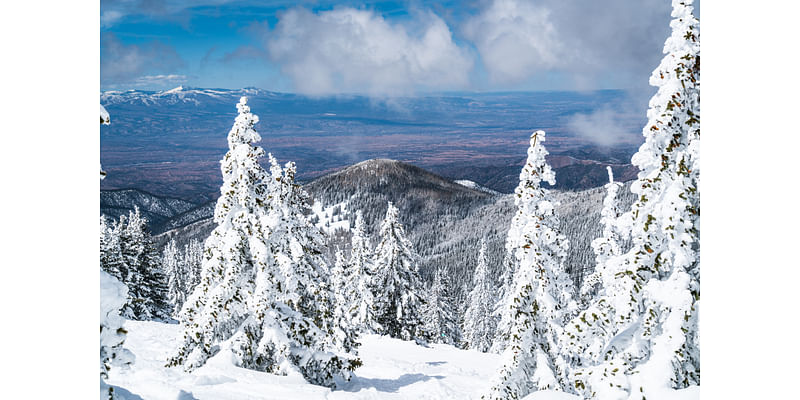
445	221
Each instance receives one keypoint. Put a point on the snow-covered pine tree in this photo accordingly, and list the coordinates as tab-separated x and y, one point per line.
541	299
608	245
219	303
293	294
113	295
263	291
440	317
175	268
361	272
193	262
479	321
342	303
398	286
111	259
646	316
147	283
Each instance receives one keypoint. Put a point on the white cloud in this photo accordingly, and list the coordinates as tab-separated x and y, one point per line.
597	44
515	40
123	63
349	50
108	18
603	127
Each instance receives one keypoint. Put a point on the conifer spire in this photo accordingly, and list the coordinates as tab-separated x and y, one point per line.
540	299
399	308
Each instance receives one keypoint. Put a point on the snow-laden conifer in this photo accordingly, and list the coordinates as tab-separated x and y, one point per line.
147	283
111	259
263	292
643	325
479	321
345	329
440	316
607	246
218	306
398	286
359	285
128	253
175	267
541	298
193	264
113	295
293	294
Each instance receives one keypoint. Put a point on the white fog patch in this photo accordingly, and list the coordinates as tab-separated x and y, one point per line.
603	127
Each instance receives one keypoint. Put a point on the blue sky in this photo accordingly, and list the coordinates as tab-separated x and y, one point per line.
381	48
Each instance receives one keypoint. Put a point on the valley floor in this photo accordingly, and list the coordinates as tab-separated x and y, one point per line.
393	369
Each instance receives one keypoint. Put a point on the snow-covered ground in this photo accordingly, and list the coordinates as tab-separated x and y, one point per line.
327	221
473	185
393	369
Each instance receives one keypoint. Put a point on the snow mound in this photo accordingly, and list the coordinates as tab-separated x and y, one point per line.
473	185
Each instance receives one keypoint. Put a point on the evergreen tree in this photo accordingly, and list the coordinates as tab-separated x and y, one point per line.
113	295
128	253
479	321
264	285
175	268
541	299
193	264
440	317
398	286
110	249
298	306
147	283
608	245
346	330
359	285
643	323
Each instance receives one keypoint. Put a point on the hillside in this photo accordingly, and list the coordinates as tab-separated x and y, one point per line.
445	220
158	210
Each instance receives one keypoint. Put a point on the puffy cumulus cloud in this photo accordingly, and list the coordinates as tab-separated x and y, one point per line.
612	43
350	50
515	40
125	63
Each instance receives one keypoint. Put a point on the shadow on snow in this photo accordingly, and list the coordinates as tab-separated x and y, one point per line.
387	385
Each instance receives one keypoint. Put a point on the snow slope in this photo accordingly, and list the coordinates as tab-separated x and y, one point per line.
393	369
473	185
